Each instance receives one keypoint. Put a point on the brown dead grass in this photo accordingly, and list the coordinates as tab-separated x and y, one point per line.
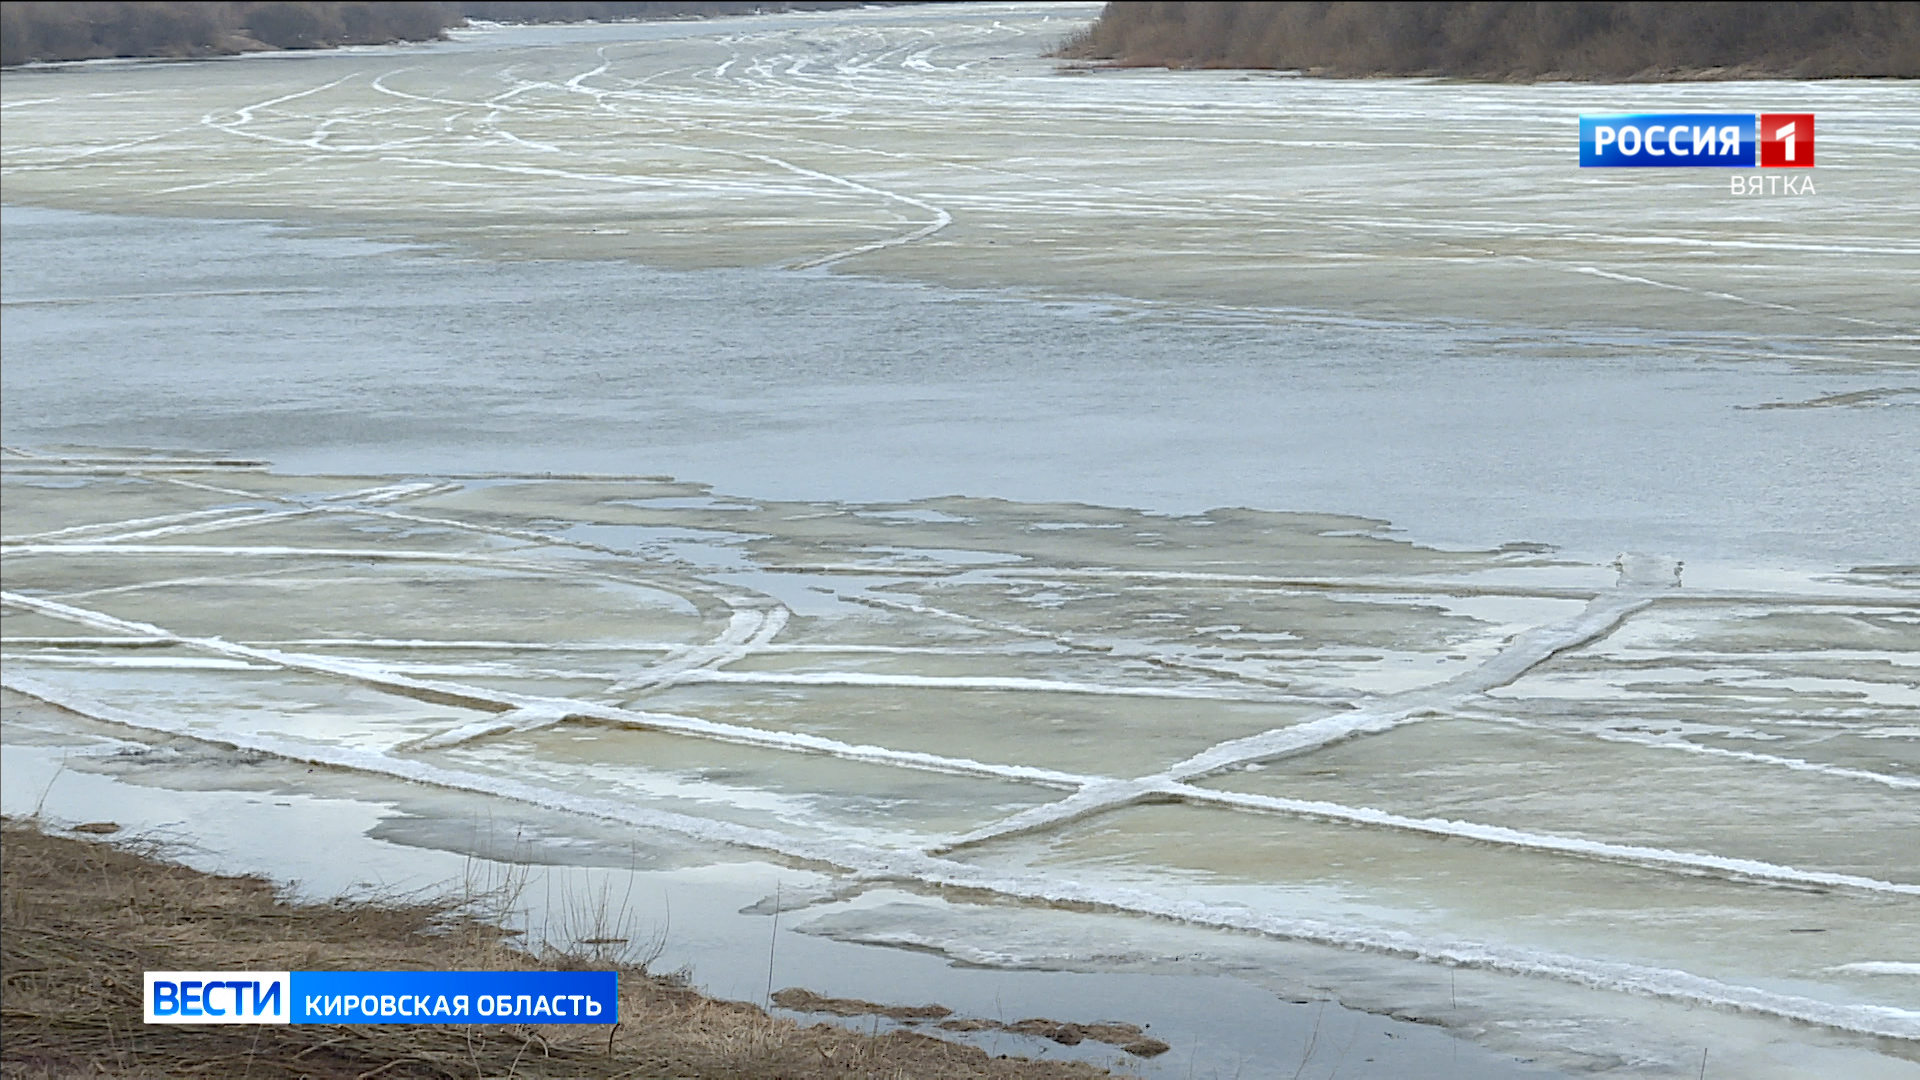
807	1001
1129	1037
81	919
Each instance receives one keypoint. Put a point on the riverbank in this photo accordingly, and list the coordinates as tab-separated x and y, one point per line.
1592	42
59	33
83	918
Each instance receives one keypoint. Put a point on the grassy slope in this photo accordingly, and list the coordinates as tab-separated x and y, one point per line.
80	920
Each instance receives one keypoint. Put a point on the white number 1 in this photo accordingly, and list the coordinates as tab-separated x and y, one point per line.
1786	133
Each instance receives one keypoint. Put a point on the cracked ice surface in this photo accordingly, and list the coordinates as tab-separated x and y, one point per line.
1492	780
1451	757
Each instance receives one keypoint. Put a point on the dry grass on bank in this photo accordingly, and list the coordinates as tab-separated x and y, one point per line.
80	920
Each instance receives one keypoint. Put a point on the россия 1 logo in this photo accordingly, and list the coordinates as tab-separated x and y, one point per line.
1670	140
1786	140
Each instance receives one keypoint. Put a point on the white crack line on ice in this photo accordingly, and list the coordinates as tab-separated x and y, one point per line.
244	114
1610	275
261	518
133	523
389	493
1683	745
524	718
1012	683
748	628
877	864
941	218
1630	854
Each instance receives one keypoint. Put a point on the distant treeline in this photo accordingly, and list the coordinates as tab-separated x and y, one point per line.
566	12
90	31
86	31
1607	41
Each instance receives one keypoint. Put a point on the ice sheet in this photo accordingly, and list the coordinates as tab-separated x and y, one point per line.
998	393
1416	818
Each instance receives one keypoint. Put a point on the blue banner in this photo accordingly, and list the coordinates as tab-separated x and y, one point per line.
455	997
1669	140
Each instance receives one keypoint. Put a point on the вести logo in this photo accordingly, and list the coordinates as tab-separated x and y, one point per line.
382	997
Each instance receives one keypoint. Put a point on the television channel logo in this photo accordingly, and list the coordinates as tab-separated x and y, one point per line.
382	997
219	997
1786	140
1697	140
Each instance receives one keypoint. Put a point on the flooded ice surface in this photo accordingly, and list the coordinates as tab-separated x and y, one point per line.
801	386
842	442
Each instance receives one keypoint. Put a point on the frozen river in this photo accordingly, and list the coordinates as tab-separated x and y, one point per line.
1142	523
